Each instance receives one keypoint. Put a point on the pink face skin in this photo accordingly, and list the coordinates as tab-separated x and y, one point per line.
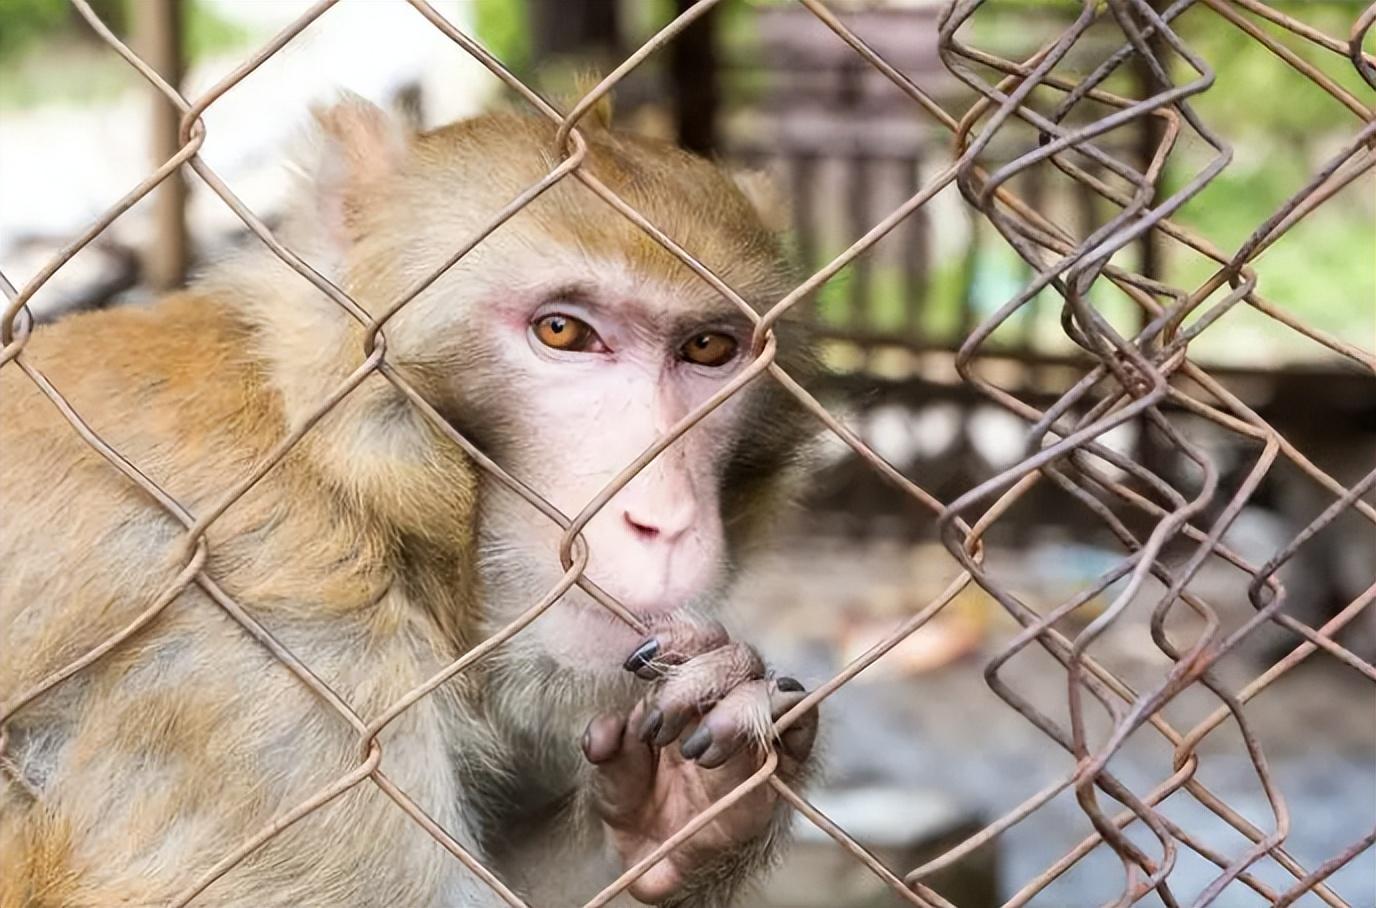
657	546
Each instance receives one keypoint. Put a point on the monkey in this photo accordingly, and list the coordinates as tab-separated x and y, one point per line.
377	551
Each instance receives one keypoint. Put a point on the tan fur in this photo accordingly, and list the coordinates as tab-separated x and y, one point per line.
599	116
194	415
357	551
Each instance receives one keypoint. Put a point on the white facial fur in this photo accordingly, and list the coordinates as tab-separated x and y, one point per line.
657	545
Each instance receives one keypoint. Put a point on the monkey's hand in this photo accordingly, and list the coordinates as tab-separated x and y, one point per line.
702	730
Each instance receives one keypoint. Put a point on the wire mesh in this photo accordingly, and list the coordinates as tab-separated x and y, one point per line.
1131	378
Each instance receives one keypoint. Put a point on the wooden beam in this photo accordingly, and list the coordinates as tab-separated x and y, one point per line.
158	36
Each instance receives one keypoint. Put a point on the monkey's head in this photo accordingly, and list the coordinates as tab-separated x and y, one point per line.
564	345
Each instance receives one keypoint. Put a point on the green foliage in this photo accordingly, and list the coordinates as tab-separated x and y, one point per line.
26	23
1281	128
503	27
1323	270
207	33
63	77
22	22
49	55
889	303
1255	93
46	57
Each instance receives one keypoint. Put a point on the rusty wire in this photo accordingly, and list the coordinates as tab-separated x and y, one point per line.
1129	378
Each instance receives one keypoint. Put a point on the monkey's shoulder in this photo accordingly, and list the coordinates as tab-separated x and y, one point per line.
167	386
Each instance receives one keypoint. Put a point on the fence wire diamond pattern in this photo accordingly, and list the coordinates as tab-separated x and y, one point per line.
1131	379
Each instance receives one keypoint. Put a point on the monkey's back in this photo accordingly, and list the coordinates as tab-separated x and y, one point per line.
163	756
135	376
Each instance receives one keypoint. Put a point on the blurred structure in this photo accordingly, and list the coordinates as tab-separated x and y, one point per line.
786	87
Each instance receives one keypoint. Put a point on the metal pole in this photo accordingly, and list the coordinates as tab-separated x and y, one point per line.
158	34
693	79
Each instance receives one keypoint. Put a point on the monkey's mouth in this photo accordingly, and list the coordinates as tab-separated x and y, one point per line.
592	609
651	602
616	630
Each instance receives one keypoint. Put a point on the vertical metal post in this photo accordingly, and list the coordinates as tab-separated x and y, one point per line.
1152	451
917	252
560	27
693	77
802	172
1150	132
859	195
158	35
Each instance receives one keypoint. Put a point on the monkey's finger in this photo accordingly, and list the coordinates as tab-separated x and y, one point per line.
745	718
623	766
602	737
797	740
674	641
691	689
740	718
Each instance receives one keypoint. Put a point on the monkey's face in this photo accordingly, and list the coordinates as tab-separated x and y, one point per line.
566	344
597	369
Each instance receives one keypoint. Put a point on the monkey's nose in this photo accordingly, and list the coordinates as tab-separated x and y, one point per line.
665	527
642	530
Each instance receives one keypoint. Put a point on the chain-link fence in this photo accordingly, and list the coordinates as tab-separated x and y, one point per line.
1146	376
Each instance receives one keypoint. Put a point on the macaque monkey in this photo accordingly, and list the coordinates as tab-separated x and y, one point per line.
377	552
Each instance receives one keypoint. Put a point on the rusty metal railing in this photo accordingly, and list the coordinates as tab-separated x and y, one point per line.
1131	378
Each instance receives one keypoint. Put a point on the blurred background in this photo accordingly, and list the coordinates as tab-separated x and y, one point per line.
921	752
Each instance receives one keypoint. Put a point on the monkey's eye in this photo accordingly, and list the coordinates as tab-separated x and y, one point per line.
711	348
564	332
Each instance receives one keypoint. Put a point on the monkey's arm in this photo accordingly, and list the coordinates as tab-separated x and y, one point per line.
703	729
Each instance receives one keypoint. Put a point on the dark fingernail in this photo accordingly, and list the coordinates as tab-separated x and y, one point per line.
640	659
789	685
697	743
666	735
649	727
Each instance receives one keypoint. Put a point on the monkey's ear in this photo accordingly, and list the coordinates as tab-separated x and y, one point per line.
358	147
765	196
600	116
